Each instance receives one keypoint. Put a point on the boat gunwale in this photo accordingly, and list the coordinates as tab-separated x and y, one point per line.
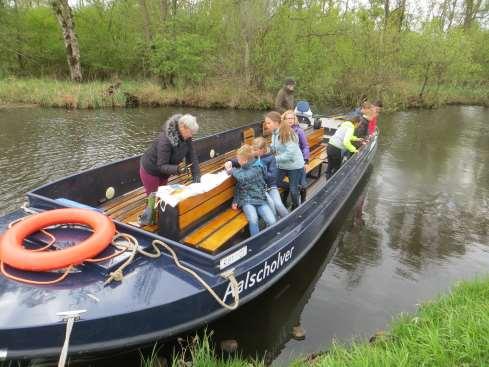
97	167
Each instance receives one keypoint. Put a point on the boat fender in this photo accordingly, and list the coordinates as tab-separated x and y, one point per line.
13	253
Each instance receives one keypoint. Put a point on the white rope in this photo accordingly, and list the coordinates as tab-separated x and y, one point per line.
131	243
229	276
70	317
25	207
66	344
158	203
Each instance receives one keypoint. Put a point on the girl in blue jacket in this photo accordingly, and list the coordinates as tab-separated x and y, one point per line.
285	147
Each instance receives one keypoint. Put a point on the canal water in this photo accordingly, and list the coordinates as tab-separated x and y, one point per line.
416	225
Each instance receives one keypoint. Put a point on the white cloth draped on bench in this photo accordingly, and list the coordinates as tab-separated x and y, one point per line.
173	194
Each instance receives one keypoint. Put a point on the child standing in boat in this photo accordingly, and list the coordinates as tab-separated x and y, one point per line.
285	147
291	118
250	191
341	142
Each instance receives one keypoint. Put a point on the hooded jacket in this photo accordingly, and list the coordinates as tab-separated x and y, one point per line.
284	100
250	184
169	149
288	155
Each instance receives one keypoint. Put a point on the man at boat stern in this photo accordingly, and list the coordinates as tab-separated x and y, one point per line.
285	96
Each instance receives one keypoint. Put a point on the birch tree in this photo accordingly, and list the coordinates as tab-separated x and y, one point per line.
64	15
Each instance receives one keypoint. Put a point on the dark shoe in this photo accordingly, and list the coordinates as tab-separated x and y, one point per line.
284	195
303	196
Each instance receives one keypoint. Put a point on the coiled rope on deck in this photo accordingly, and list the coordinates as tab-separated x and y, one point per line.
131	244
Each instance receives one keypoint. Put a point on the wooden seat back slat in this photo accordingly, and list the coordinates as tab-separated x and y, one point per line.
248	136
194	201
206	207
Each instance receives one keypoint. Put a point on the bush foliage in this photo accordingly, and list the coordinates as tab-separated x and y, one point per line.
398	52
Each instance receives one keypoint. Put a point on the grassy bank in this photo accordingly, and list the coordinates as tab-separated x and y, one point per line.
452	330
96	94
219	94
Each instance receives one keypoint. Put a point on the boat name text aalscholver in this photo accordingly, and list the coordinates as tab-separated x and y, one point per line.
253	278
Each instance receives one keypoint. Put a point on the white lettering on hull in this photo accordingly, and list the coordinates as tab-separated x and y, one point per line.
252	279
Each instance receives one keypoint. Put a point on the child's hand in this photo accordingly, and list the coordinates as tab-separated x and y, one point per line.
234	206
228	166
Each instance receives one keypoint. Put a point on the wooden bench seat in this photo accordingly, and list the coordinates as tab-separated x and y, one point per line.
225	233
206	220
217	231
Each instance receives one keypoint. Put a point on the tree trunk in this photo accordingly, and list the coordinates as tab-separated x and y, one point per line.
65	18
18	38
163	10
146	21
451	13
471	8
425	82
402	14
386	13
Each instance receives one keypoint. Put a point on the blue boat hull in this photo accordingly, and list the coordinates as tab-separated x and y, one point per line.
156	300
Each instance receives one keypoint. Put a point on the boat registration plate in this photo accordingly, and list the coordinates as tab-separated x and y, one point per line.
231	259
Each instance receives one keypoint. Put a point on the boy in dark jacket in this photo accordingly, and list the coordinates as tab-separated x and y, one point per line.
250	191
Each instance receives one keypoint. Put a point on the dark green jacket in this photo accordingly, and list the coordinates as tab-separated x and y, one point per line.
284	100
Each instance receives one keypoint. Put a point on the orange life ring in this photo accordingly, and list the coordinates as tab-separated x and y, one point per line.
13	253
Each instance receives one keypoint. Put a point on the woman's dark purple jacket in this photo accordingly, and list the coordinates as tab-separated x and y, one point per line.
303	144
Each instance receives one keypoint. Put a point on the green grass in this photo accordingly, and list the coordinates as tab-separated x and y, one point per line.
91	95
398	95
452	330
198	352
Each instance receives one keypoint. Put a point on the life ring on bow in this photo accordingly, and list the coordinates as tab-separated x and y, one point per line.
13	253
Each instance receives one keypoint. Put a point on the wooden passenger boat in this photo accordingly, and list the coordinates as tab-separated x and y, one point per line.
156	299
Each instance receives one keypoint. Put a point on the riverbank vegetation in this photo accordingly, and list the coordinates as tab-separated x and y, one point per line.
452	330
226	53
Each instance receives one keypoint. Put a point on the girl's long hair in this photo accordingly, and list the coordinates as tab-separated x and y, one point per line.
285	132
290	112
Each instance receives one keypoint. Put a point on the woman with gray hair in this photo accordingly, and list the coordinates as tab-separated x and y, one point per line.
162	159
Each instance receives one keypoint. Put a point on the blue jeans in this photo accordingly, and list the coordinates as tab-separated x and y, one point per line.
275	202
295	178
304	179
263	210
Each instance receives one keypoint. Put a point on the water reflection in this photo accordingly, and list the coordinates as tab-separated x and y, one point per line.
272	316
429	200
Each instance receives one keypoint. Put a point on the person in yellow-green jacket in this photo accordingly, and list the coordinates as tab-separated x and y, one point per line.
341	141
